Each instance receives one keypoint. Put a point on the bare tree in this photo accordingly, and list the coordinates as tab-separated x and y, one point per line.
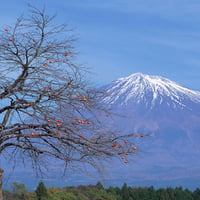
46	106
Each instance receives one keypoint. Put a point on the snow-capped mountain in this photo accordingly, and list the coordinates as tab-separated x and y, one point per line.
152	102
168	112
149	90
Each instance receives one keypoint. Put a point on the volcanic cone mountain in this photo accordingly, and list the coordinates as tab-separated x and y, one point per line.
166	111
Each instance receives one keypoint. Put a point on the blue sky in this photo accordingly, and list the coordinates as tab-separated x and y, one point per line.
121	37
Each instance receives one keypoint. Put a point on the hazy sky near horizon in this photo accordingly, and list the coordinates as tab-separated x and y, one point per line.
121	37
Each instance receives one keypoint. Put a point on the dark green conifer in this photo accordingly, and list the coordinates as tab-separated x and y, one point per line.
125	192
99	185
41	191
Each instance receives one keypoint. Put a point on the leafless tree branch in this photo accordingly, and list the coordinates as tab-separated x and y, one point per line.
46	106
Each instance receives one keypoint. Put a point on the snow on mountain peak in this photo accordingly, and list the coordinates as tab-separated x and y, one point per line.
150	90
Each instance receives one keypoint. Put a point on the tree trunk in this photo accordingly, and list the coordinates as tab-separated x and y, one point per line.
1	176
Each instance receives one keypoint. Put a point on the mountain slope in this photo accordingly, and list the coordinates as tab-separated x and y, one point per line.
169	156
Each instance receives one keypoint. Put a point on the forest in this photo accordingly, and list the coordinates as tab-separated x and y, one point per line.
98	192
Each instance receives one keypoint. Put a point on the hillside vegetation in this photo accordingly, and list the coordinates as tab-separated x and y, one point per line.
98	192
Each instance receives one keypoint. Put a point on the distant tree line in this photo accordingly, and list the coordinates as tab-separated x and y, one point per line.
98	192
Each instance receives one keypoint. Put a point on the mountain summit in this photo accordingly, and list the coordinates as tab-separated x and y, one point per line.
152	102
150	91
